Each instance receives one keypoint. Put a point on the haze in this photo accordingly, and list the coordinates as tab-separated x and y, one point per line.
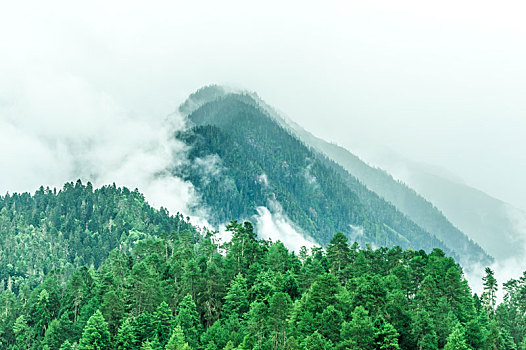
440	83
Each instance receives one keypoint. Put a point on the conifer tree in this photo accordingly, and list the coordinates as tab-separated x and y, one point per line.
457	339
490	284
177	340
359	332
126	339
162	320
236	300
188	318
96	334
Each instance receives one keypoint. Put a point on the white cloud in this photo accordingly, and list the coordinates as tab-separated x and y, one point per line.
276	226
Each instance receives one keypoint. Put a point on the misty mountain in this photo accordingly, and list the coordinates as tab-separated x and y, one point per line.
496	225
404	198
243	158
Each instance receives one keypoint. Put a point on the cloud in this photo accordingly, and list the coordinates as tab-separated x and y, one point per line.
505	269
56	127
275	225
311	179
263	180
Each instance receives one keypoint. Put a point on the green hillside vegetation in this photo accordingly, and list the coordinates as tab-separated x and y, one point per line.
242	143
174	288
381	191
76	226
405	199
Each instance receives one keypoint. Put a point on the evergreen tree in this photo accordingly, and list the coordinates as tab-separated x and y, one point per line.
126	339
339	255
279	309
386	336
21	331
96	334
162	320
177	340
315	341
359	332
457	339
236	300
424	331
490	289
188	318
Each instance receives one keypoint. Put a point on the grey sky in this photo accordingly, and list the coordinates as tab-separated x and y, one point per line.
443	83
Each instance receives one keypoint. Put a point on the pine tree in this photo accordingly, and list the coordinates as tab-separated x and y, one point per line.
126	339
188	318
490	290
330	323
386	336
316	342
359	332
54	334
457	339
236	300
66	345
339	255
279	309
96	334
177	340
21	331
424	331
162	320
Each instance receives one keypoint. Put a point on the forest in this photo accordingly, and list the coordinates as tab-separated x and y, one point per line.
242	157
85	268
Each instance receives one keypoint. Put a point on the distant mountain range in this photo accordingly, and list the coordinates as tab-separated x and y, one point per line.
244	156
497	226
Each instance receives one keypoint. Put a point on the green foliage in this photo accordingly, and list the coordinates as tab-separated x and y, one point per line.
457	339
126	339
96	334
177	340
241	158
180	290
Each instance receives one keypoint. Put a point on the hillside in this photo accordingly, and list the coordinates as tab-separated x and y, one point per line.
405	199
62	230
248	141
181	291
497	226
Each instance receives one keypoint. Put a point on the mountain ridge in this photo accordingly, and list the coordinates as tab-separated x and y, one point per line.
208	94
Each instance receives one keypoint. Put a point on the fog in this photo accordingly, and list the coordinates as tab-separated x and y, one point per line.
88	89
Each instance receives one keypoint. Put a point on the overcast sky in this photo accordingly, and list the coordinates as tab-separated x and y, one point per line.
442	82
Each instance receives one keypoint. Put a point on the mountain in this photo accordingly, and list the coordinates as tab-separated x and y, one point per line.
242	157
405	199
75	226
496	225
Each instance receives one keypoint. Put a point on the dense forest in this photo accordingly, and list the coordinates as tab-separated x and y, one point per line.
244	155
153	282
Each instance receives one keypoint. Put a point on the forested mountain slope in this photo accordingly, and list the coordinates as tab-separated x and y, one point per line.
76	226
251	160
258	156
184	292
497	226
407	200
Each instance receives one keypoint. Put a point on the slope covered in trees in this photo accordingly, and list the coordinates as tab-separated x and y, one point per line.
407	200
252	160
76	226
180	290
